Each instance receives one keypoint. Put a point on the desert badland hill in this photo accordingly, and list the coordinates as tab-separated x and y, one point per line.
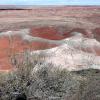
55	23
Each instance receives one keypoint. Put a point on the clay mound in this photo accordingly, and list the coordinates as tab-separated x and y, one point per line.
68	57
9	47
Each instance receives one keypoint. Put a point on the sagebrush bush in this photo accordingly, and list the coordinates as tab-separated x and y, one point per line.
45	84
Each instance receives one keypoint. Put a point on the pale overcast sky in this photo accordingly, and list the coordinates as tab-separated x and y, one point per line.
50	2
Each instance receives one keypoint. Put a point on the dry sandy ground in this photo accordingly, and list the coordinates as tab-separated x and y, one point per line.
47	22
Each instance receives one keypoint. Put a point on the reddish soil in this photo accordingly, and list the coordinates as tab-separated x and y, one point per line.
47	32
52	23
19	46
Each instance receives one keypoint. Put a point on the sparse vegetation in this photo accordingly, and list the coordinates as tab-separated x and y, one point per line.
48	83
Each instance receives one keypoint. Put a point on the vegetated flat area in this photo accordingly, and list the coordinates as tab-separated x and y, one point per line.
51	22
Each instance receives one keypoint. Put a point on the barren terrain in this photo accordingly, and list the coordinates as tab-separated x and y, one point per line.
53	23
